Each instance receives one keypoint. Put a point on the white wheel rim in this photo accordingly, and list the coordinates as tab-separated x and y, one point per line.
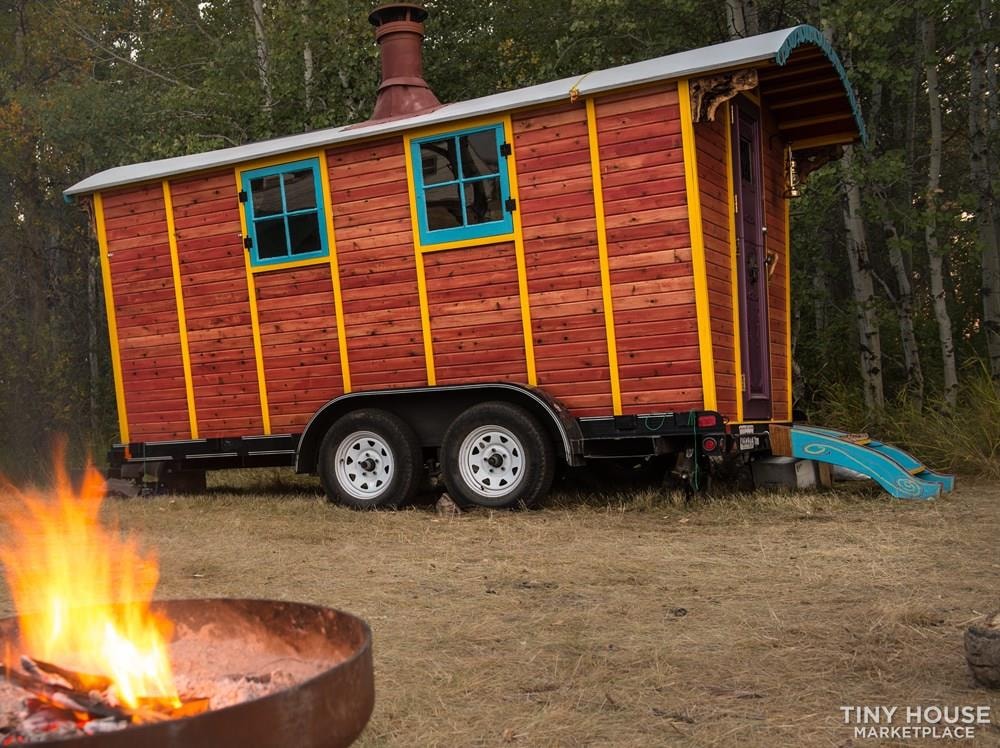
365	465
491	460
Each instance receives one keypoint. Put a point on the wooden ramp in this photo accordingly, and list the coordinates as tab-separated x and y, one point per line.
898	472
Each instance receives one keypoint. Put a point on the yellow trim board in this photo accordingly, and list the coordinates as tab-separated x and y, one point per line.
425	312
338	298
466	243
522	269
602	256
289	265
734	277
258	350
697	248
175	266
109	305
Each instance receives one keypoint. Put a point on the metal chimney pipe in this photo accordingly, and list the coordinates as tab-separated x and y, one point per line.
399	31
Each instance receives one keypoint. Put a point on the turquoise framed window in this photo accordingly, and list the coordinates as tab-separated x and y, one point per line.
461	185
285	217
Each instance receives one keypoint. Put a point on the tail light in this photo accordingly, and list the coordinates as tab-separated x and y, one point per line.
709	444
707	421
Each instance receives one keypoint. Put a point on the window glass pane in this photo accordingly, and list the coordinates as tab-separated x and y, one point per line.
482	201
438	161
479	154
444	210
266	192
270	238
304	232
300	190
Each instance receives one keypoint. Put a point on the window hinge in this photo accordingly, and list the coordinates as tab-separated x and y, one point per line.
243	196
511	205
505	150
743	378
247	242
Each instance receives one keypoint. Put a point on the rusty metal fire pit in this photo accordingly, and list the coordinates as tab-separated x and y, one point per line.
328	708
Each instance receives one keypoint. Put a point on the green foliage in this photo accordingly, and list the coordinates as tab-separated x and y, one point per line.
966	440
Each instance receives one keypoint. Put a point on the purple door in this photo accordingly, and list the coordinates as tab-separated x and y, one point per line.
751	265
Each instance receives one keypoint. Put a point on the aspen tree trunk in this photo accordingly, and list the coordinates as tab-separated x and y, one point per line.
741	16
904	308
981	177
307	56
936	261
864	289
263	55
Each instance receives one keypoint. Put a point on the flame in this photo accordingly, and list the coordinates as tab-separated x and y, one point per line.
66	572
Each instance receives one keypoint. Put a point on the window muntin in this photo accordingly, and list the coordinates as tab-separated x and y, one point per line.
461	185
285	220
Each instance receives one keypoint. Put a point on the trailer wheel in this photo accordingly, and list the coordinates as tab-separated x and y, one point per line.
370	458
497	455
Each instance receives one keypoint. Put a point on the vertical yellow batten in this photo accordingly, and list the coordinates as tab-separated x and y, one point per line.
734	277
425	312
109	305
258	350
788	302
522	270
697	248
175	266
602	255
338	299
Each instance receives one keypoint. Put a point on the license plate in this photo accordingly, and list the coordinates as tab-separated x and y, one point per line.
748	443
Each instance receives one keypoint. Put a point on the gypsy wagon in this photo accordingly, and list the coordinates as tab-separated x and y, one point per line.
592	267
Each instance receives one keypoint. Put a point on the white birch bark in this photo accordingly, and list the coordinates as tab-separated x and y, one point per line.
263	56
935	259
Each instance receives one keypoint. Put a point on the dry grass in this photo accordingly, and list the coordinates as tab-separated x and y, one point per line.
616	619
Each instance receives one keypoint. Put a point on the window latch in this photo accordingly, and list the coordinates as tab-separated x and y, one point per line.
511	205
243	196
505	150
247	243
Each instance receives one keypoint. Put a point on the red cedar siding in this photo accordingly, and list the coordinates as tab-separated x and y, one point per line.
146	312
475	314
371	212
561	255
649	249
774	218
710	139
298	330
217	305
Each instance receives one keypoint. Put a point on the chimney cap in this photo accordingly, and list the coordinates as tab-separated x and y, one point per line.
397	12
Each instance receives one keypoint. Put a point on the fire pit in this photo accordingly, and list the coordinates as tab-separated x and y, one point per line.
274	674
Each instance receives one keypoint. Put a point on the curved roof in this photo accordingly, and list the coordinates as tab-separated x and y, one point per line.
801	61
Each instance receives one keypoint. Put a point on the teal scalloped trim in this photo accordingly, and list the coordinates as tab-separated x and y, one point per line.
810	35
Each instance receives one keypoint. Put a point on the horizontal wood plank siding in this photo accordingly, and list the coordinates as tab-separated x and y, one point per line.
475	315
146	312
561	255
217	305
773	167
298	332
371	212
710	139
649	250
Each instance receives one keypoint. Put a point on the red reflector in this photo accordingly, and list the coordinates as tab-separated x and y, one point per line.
706	421
709	444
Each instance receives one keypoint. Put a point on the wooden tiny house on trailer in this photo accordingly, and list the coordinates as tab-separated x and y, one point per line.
592	267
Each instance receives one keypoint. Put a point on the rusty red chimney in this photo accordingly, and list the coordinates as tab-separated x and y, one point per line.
399	31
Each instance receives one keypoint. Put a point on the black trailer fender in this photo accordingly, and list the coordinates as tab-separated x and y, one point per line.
429	411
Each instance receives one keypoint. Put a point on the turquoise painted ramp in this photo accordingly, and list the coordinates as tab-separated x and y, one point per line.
898	472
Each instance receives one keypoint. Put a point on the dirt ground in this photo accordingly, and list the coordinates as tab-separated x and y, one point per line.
617	618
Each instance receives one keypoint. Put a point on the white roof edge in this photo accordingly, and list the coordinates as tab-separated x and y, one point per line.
679	65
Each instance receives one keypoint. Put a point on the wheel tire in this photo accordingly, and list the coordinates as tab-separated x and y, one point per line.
370	459
523	460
